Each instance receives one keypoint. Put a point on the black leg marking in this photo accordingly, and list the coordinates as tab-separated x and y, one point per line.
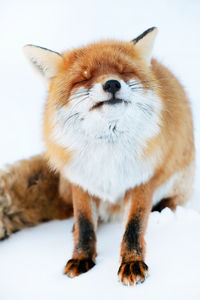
162	204
131	235
87	237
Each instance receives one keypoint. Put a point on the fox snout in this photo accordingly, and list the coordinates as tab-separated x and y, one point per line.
112	86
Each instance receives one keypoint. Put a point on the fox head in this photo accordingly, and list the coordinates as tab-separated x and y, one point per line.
99	91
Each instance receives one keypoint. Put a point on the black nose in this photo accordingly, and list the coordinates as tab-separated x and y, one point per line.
112	86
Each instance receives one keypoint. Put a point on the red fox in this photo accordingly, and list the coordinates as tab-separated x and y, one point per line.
119	142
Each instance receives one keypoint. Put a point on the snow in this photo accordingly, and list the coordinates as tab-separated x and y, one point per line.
32	261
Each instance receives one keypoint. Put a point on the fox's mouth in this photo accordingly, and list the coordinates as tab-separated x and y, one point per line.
111	101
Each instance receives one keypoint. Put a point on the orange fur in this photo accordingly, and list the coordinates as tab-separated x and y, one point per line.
176	115
29	195
121	60
173	146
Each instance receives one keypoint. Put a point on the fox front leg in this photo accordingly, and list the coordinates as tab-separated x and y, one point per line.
133	269
83	258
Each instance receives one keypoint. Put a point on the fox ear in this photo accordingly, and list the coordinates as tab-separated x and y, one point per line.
144	43
44	61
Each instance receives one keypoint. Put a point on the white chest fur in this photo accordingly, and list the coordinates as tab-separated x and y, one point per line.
108	144
107	171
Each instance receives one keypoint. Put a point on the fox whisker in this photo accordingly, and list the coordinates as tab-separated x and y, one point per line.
76	96
70	117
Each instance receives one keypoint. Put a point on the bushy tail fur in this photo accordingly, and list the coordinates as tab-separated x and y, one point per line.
30	193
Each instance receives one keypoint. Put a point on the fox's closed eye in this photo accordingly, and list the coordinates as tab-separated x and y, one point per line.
127	72
80	81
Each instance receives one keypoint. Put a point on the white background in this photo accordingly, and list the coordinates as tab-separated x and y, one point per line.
31	262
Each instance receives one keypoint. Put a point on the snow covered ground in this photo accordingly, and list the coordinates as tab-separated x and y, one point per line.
31	261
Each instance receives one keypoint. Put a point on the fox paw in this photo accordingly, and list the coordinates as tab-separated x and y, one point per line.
133	272
76	267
